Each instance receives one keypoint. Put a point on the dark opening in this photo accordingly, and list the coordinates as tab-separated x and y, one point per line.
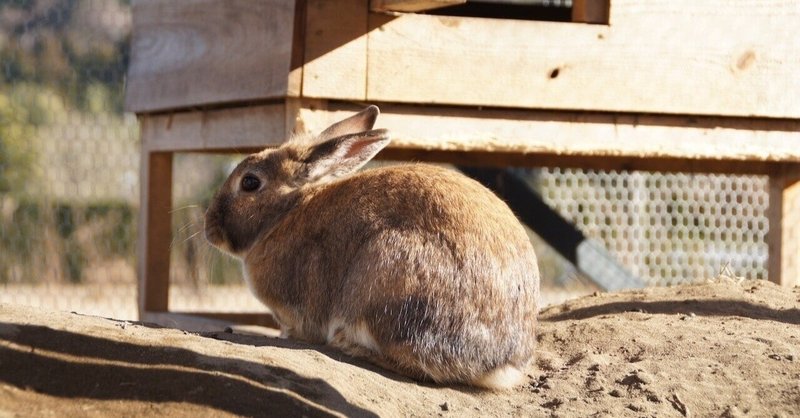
541	10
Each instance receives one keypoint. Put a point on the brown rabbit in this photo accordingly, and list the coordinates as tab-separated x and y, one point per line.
416	268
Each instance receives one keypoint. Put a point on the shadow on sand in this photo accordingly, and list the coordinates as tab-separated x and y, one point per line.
702	307
70	365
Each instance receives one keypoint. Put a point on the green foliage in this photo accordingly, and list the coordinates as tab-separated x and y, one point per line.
58	59
16	156
62	69
67	46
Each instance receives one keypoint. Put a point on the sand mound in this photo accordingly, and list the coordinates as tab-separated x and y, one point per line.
726	348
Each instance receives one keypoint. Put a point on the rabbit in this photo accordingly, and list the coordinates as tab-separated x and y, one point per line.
416	268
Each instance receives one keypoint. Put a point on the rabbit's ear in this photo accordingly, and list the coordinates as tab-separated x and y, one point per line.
342	155
360	122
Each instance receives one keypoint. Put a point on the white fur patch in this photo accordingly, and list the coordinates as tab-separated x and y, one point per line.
364	338
334	326
358	335
285	333
503	377
248	279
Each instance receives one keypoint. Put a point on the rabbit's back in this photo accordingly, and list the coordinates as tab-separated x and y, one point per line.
420	265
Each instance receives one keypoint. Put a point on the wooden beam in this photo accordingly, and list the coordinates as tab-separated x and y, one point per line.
196	52
590	11
609	163
294	87
410	5
783	237
231	129
577	134
155	233
500	137
208	321
742	62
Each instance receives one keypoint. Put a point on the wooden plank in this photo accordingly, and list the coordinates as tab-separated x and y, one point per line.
410	5
155	233
577	134
590	11
262	319
681	57
294	86
530	137
208	321
184	322
607	163
783	236
231	129
205	51
336	49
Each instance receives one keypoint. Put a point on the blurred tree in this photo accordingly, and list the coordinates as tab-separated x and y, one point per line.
16	155
62	67
70	46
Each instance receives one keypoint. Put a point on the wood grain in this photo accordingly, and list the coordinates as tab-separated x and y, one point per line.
196	52
294	86
583	134
336	50
505	132
686	57
208	321
231	129
155	231
590	11
607	163
783	237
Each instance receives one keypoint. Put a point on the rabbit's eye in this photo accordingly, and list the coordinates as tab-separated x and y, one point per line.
250	183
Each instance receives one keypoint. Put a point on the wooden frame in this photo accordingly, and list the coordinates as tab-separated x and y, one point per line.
211	131
783	214
154	230
613	96
520	138
646	60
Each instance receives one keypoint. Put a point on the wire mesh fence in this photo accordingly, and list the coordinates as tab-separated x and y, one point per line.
668	228
69	187
68	156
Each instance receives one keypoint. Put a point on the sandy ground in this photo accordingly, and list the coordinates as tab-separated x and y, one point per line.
118	299
726	348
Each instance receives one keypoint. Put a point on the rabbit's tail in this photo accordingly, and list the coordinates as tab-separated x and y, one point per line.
503	377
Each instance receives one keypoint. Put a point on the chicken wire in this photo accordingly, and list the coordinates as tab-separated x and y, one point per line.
667	228
69	186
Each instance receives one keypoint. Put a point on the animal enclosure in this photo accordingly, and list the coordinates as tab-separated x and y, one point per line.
662	86
673	198
68	235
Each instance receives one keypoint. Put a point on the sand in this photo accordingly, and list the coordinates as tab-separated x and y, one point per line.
726	348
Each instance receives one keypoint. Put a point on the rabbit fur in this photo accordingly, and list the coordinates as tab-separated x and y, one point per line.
416	268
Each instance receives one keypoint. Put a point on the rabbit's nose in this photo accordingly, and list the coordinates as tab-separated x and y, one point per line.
213	230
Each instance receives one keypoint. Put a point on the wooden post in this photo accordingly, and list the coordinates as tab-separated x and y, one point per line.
783	237
590	11
155	233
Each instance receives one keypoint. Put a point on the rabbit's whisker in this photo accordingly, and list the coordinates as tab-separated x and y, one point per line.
183	241
184	208
191	236
187	226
